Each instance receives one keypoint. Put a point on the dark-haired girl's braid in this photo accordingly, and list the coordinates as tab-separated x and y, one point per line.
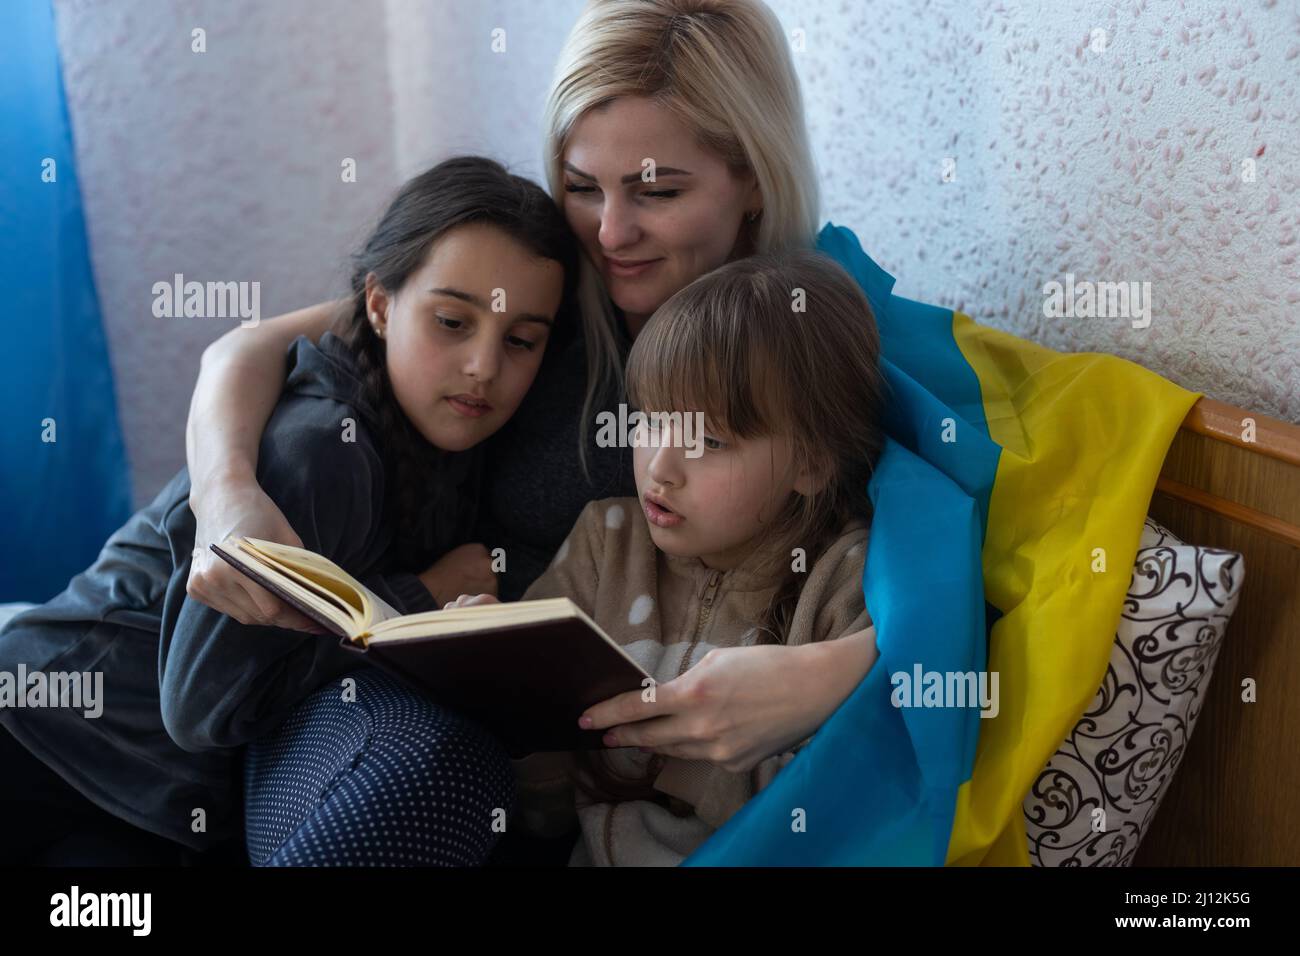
411	464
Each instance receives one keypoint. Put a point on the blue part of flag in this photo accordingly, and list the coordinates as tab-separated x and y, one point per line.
931	382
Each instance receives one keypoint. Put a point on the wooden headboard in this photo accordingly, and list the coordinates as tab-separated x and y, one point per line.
1233	802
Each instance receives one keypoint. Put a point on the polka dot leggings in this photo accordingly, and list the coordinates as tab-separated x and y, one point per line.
366	772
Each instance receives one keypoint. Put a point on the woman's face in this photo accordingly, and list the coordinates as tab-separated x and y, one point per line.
464	336
649	239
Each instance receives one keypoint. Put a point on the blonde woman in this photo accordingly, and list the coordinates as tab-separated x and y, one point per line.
702	93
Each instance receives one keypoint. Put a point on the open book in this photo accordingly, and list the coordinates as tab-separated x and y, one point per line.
524	671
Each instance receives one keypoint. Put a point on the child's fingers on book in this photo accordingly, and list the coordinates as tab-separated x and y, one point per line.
273	612
231	601
267	608
216	584
304	624
470	600
197	585
292	620
207	588
237	601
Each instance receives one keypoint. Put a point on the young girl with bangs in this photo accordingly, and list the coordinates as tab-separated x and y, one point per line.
758	540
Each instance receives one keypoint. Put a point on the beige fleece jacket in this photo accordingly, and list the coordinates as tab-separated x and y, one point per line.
668	612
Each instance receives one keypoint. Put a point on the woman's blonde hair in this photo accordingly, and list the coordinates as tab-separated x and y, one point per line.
723	69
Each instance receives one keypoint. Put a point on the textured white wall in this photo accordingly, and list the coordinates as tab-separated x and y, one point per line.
222	166
453	94
1115	165
1121	165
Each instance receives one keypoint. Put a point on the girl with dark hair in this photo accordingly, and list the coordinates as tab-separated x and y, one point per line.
373	454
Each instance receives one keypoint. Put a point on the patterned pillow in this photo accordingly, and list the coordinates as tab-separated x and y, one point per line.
1116	765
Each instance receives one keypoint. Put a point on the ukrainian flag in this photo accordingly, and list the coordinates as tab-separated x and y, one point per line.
1011	475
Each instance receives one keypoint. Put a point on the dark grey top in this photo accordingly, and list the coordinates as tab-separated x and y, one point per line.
534	485
185	686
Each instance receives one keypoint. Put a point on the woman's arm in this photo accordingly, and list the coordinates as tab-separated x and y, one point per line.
240	379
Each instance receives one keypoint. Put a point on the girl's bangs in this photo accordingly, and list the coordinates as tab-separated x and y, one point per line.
695	360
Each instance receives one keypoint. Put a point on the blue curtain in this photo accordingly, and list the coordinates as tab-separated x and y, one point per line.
64	485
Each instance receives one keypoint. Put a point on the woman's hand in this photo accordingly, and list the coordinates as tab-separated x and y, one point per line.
466	600
242	509
740	705
461	571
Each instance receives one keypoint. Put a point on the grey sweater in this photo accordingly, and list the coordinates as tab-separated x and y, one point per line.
183	687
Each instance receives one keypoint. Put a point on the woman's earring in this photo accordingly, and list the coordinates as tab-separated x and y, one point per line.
374	322
753	216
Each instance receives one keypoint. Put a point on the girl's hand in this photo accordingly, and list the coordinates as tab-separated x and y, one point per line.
740	705
461	571
240	509
466	600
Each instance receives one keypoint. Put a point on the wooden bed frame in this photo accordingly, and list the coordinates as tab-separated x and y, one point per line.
1235	801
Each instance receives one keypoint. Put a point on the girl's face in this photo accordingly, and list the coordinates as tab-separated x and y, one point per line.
649	239
464	336
715	506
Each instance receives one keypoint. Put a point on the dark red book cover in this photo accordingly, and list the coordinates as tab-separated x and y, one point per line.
527	683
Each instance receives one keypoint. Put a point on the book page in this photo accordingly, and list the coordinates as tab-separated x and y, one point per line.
381	610
321	574
317	603
479	617
485	618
